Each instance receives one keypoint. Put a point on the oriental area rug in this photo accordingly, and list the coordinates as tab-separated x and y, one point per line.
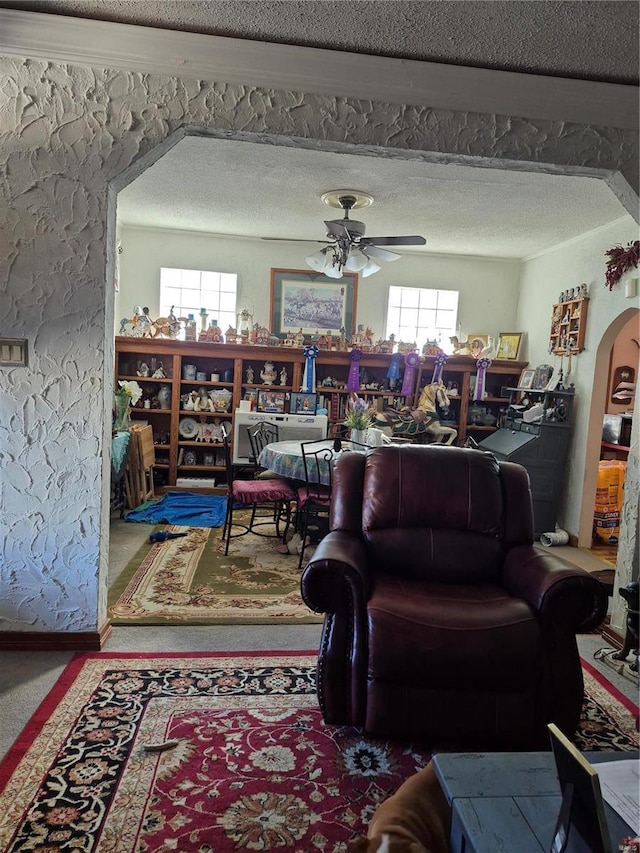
249	764
189	581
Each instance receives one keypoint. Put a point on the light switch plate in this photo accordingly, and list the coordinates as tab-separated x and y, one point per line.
13	352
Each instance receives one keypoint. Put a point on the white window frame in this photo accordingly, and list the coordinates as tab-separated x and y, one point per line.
190	291
421	301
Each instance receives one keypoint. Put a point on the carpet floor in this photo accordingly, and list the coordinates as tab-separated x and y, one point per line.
189	581
250	765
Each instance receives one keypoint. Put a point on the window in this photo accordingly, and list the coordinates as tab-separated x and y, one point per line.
420	314
189	291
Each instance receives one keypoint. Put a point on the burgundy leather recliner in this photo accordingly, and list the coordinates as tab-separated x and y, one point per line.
443	624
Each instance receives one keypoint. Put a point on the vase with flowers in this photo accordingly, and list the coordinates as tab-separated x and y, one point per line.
358	417
126	395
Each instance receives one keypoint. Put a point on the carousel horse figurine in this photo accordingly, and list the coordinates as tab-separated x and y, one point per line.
407	422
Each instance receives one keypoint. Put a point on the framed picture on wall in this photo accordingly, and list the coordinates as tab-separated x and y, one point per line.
311	301
509	344
623	385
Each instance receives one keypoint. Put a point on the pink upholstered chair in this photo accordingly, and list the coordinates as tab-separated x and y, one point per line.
276	496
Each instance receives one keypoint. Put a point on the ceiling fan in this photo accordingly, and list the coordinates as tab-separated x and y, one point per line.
347	247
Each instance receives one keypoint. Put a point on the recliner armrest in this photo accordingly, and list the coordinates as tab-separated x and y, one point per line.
555	588
340	560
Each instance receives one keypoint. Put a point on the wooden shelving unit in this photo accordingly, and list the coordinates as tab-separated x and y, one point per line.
568	326
232	361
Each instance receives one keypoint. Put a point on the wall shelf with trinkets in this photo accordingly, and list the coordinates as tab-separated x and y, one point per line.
568	326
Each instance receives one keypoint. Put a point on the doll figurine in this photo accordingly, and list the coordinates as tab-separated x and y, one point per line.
203	403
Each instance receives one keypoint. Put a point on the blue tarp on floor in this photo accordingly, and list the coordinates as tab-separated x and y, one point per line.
187	508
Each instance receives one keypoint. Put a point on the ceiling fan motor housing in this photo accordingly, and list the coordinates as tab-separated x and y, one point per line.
356	229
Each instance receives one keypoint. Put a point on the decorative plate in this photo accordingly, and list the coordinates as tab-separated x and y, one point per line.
188	428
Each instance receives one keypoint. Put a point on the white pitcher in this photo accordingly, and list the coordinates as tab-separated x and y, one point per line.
376	438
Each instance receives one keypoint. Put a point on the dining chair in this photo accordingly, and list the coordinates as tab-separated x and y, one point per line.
275	495
260	435
314	495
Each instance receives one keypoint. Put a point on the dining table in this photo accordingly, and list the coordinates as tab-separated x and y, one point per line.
285	459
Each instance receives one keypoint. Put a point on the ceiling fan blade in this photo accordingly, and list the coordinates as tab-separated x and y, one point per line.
296	240
413	240
380	254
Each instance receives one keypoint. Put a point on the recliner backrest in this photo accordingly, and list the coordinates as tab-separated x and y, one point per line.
433	512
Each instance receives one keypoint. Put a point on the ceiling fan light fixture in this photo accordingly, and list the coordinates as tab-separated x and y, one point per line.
370	268
348	248
317	261
332	271
356	261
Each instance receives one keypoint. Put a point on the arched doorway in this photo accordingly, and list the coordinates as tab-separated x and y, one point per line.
627	560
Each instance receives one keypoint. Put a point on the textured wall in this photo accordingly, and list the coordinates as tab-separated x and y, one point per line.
65	133
543	278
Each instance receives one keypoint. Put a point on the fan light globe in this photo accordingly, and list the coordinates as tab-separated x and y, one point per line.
332	272
370	268
317	261
356	261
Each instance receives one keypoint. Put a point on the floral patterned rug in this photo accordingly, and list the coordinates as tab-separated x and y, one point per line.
252	766
189	581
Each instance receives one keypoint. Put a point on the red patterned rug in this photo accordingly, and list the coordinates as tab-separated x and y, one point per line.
254	768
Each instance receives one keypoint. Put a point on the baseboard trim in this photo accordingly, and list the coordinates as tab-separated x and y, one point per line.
612	637
43	641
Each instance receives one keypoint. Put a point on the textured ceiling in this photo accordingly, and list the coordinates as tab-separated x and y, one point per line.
589	39
258	190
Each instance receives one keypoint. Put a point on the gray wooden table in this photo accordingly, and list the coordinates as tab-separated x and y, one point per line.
509	802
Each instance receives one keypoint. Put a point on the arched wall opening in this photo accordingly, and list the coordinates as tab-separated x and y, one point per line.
627	565
84	131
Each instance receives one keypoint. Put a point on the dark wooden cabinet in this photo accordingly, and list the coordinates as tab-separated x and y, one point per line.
541	447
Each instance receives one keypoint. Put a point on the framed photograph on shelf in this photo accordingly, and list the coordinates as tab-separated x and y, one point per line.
311	301
303	404
251	395
542	376
271	401
525	383
509	344
476	343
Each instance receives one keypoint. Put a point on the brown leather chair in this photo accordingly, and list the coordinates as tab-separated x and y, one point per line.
444	625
